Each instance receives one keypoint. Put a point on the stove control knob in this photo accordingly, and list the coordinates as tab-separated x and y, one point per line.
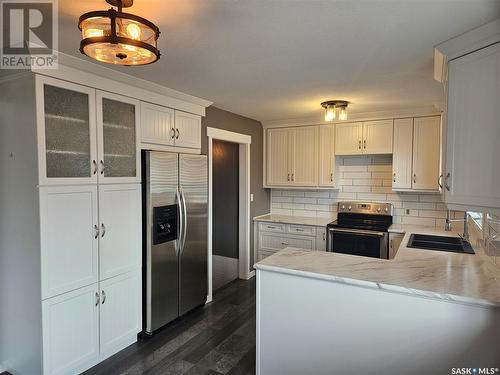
387	209
349	208
343	207
378	209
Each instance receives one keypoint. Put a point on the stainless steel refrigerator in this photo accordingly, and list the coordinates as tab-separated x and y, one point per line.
175	208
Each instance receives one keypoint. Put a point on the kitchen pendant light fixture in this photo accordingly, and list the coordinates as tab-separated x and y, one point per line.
114	37
335	109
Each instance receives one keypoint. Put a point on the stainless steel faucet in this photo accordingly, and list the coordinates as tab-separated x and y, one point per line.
448	227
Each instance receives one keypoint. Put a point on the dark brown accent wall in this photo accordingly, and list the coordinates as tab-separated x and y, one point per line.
218	118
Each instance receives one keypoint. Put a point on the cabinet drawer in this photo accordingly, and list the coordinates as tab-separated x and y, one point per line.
304	230
276	242
272	227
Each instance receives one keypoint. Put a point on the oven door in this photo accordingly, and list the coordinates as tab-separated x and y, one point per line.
358	242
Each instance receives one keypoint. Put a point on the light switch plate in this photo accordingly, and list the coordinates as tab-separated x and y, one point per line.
251	197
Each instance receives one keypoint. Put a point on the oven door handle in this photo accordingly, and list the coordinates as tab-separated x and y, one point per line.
358	231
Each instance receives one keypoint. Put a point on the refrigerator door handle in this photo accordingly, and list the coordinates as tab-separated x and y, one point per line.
184	216
178	242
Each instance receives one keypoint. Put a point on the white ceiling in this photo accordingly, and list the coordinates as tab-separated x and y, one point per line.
276	59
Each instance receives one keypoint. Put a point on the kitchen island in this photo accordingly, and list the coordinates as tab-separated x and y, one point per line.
422	312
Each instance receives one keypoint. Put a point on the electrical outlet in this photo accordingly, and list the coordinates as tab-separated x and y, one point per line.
407	211
251	197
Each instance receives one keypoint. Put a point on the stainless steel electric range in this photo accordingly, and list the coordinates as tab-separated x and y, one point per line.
361	229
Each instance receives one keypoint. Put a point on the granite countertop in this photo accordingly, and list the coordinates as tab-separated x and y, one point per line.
300	220
464	278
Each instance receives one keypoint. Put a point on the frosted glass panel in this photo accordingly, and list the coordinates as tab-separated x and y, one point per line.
67	135
118	138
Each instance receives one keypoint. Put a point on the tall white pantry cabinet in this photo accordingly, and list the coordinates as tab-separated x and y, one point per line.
82	179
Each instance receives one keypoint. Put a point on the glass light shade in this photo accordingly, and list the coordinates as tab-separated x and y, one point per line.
330	112
343	113
118	38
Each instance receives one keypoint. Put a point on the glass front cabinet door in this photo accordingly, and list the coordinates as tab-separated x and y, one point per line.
85	136
66	126
117	138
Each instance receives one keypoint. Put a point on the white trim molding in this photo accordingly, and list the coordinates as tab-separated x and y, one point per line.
357	117
244	142
100	77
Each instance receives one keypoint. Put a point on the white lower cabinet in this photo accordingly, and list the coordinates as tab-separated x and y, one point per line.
70	324
87	325
120	312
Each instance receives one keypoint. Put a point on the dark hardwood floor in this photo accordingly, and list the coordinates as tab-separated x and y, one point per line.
218	338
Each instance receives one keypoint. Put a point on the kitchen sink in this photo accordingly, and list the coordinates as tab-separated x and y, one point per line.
440	243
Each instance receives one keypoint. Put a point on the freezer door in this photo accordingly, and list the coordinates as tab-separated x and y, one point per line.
162	267
193	179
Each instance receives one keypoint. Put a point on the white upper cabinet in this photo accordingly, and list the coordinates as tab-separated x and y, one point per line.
472	176
377	137
278	144
187	130
402	154
349	138
157	124
117	138
326	155
69	238
417	154
304	156
119	229
66	127
426	153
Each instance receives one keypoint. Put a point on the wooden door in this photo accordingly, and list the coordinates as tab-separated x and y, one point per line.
68	233
66	127
426	153
187	130
118	138
157	124
377	137
277	157
70	330
120	229
120	312
402	157
348	138
304	156
327	155
473	130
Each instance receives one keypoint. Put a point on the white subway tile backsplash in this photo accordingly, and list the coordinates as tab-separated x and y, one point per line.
362	178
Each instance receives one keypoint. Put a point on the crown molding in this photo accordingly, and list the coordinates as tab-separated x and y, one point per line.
356	117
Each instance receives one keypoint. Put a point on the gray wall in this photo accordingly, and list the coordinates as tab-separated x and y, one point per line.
220	119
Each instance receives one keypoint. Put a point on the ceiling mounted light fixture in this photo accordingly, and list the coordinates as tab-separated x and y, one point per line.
114	37
335	109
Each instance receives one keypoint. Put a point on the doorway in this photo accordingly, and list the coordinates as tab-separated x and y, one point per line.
225	212
243	141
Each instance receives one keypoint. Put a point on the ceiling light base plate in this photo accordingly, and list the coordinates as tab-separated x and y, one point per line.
122	3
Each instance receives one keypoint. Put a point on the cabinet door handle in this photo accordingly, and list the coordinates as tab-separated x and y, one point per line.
288	177
391	244
324	236
293	179
284	244
299	230
96	231
364	144
359	146
178	133
331	177
439	181
94	163
103	228
414	178
102	167
446	182
97	298
394	177
172	133
103	296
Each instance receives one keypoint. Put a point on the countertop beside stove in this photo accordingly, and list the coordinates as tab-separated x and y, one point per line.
463	278
298	220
